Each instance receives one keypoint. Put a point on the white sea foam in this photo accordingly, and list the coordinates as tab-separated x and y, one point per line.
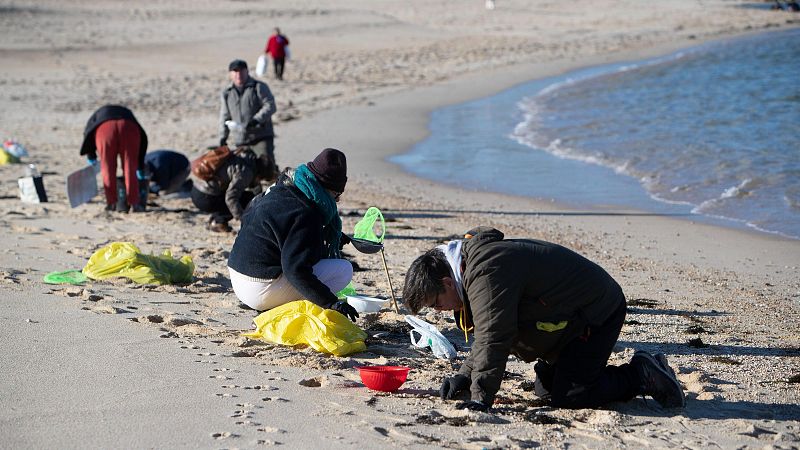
743	189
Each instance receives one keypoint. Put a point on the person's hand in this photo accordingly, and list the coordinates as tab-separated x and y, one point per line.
346	310
451	386
94	164
252	123
473	405
344	240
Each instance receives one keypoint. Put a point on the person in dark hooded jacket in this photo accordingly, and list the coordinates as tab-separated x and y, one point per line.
289	246
541	302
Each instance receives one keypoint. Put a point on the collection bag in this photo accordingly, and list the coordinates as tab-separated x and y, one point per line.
123	259
304	323
261	65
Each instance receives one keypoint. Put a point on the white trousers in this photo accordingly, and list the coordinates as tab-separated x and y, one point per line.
262	295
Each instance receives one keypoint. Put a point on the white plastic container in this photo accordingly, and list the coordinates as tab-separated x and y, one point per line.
364	304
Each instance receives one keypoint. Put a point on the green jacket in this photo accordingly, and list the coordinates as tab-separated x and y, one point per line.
528	298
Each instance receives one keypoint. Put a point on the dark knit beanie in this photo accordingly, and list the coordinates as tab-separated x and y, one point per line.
237	64
330	168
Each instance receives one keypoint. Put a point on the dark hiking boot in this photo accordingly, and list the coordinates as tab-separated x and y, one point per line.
658	379
137	208
543	383
662	361
111	207
219	227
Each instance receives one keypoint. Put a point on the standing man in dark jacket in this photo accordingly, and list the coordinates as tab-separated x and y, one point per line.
289	245
247	106
113	132
536	300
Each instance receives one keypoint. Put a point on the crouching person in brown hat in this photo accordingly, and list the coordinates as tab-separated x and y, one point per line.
539	301
228	192
289	244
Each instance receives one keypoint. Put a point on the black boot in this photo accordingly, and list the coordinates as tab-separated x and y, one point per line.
657	379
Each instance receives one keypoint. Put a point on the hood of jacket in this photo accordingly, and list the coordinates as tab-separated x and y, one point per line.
472	239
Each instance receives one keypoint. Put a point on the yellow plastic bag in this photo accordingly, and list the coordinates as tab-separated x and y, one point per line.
7	158
303	322
123	259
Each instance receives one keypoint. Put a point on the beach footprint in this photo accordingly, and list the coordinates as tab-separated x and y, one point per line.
223	435
697	382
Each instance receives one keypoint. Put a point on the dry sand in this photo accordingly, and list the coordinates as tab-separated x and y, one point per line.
114	364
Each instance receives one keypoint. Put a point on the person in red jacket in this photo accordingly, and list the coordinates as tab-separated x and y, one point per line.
276	48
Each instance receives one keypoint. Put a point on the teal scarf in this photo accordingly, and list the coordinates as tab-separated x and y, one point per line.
332	231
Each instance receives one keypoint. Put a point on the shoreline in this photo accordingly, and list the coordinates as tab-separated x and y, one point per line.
370	164
423	152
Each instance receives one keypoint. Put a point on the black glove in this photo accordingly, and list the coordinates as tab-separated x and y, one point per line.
346	310
453	385
223	141
252	123
473	405
344	240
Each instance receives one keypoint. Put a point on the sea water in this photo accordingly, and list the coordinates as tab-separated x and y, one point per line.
709	133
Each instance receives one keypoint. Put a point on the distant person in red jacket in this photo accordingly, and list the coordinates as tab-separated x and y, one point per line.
276	47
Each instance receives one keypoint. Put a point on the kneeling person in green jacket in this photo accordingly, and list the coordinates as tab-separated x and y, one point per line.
541	302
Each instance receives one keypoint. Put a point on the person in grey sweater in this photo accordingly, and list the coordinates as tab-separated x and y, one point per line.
250	104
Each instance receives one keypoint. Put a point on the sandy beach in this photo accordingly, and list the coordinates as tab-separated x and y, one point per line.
114	364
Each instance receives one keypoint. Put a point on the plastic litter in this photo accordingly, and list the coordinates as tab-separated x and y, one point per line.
65	277
429	336
7	158
234	126
15	148
261	65
304	323
123	259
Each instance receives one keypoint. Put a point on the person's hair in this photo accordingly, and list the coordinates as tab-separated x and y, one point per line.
424	279
286	177
265	169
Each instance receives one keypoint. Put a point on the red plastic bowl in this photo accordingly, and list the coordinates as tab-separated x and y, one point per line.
383	378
